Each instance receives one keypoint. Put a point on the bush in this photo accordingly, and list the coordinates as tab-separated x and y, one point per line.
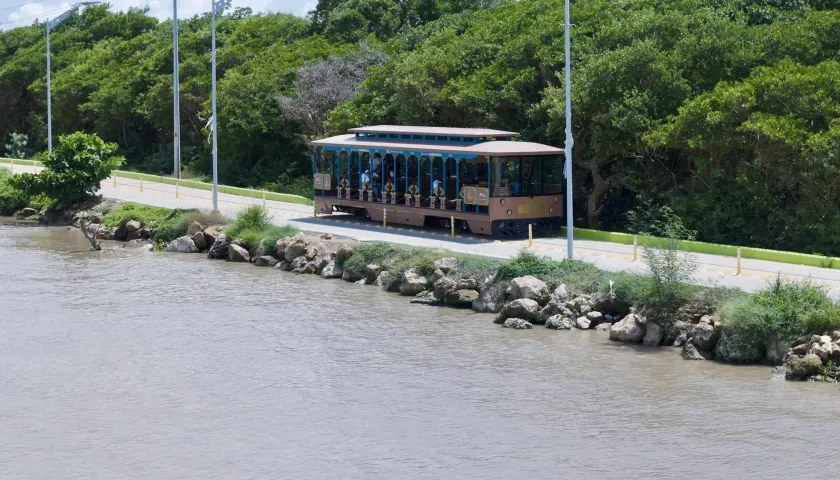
74	170
145	214
250	218
274	233
781	312
12	198
577	275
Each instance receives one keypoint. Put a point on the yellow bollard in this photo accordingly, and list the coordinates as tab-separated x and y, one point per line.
384	218
738	272
265	209
451	226
115	179
177	186
530	236
635	248
141	185
314	211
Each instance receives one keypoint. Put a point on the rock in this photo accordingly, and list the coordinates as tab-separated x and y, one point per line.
522	308
284	266
343	252
800	349
320	264
776	352
412	283
677	333
381	279
690	352
822	350
517	323
132	226
299	265
467	284
327	236
312	251
778	373
446	265
25	213
554	308
584	308
835	336
462	298
631	329
220	249
561	293
280	247
582	323
653	334
605	303
425	298
595	318
295	249
603	327
609	318
732	350
332	270
372	272
825	339
210	235
500	318
350	276
444	286
119	233
266	261
559	322
182	245
528	287
199	240
103	232
238	254
799	368
705	336
94	217
437	275
491	299
706	319
194	228
147	233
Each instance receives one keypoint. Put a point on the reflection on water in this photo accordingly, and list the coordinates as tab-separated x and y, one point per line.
134	364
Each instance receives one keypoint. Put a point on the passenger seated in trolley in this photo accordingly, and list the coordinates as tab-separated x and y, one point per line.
438	195
364	184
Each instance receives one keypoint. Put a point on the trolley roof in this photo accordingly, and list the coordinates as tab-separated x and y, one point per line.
496	148
438	131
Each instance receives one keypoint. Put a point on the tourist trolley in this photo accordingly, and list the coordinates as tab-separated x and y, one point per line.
484	180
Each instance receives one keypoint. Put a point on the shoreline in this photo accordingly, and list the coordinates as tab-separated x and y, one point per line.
569	296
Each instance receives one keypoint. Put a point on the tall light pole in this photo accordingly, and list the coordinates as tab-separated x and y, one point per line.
51	24
570	141
176	93
218	5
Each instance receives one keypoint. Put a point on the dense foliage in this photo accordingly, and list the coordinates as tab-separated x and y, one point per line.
727	112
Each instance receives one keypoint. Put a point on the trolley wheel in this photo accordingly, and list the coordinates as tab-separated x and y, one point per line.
444	222
463	225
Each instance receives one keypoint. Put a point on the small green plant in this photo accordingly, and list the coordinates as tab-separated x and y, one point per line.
650	219
250	218
145	214
829	370
577	275
11	197
16	148
670	270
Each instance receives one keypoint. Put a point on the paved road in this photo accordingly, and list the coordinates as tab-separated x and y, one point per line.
711	268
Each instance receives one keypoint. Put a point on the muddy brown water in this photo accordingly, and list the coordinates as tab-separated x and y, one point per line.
134	364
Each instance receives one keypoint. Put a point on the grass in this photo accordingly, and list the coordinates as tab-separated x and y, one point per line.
579	276
168	224
253	226
781	312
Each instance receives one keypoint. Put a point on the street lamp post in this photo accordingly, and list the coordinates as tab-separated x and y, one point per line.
218	5
569	139
176	108
51	24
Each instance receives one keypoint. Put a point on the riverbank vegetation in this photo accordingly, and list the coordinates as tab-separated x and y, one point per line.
711	108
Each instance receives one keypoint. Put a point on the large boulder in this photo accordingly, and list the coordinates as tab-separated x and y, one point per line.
738	350
372	272
460	298
560	294
583	323
653	334
425	298
349	275
25	213
467	284
690	352
606	303
200	240
412	283
677	333
194	228
265	261
333	269
595	318
522	308
446	265
776	351
182	245
343	252
299	265
800	368
220	249
705	336
631	329
210	235
443	286
559	322
238	254
132	226
517	323
284	266
491	299
528	287
119	233
555	307
296	248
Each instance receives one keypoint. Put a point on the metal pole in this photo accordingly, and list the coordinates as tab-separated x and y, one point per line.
215	118
569	139
49	93
176	94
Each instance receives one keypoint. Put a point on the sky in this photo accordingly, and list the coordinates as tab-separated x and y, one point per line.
18	13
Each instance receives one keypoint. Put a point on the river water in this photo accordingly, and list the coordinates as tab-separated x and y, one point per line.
133	364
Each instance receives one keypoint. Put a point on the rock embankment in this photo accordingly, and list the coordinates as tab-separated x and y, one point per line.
814	357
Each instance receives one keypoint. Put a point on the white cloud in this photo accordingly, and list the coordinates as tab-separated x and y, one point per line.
14	14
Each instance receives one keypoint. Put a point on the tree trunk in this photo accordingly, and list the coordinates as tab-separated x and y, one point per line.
600	187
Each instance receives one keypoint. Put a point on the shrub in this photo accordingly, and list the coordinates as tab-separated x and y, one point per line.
16	148
12	198
781	312
250	218
629	288
274	233
74	170
145	214
577	275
